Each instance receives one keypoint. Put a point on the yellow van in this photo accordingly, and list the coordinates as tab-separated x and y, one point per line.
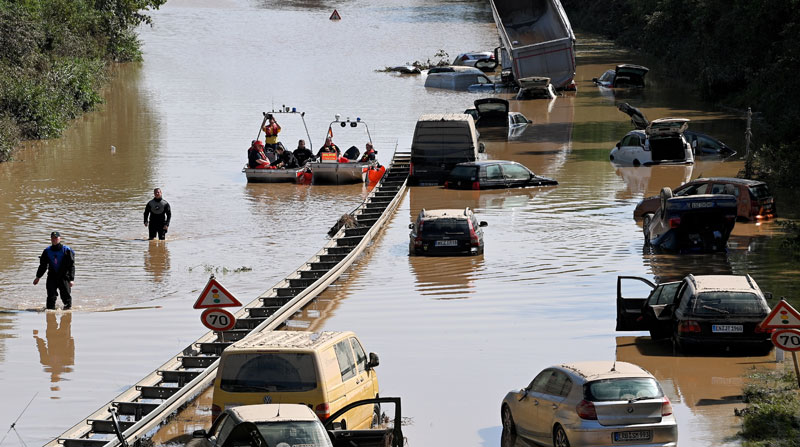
323	370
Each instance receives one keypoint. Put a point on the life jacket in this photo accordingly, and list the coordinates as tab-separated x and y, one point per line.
271	133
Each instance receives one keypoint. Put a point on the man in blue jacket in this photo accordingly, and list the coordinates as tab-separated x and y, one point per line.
59	262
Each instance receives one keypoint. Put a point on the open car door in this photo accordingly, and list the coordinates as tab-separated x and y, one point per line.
629	308
383	434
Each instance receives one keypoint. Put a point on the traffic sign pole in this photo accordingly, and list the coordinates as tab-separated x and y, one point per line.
796	368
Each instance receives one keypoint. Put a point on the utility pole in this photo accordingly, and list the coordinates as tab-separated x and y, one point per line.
748	133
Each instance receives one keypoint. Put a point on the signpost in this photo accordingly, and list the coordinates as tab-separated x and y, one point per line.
213	298
785	320
218	319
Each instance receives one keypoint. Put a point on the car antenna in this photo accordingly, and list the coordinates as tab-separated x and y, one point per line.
614	366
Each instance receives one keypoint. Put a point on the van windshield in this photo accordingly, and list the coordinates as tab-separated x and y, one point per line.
268	372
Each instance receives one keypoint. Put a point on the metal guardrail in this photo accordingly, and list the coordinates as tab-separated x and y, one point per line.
165	390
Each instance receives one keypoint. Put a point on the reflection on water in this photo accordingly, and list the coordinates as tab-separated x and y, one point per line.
57	349
156	259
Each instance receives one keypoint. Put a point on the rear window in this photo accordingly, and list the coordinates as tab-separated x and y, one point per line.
464	173
759	192
445	227
268	372
293	433
622	389
723	303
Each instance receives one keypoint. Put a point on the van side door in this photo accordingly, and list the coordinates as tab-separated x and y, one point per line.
349	373
366	386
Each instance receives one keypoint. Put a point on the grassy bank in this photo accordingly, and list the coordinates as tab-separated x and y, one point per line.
772	417
54	59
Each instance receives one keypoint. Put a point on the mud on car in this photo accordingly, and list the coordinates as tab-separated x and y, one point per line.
446	232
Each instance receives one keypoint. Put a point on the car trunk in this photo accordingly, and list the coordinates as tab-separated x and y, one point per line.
630	75
733	329
492	112
667	148
462	177
762	199
445	236
626	412
729	316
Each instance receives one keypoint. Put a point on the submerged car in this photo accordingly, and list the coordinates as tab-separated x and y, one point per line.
493	112
720	312
623	75
482	60
755	202
446	232
661	143
457	78
494	174
700	223
591	404
536	87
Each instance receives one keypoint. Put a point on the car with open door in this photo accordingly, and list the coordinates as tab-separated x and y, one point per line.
623	75
644	311
662	142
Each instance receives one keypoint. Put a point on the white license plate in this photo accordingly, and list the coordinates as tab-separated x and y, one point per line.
727	328
641	435
447	243
701	204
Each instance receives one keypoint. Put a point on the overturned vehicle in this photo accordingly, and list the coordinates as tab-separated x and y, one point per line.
700	223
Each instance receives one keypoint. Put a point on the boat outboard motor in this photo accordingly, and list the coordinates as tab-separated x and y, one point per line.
352	153
638	119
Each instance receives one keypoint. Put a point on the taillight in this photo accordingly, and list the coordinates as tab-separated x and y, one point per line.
586	410
446	183
674	222
763	330
410	168
755	210
689	327
323	411
465	58
473	237
215	411
418	239
666	407
476	185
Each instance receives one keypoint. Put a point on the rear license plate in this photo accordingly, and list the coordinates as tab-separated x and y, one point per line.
641	435
701	204
727	328
447	243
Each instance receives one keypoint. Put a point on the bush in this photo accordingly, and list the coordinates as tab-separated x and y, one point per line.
773	415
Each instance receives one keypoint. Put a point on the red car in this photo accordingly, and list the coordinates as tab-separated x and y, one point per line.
755	202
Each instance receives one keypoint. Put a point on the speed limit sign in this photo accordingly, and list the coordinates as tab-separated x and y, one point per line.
218	319
787	339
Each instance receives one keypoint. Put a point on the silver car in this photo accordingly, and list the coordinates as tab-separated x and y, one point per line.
591	404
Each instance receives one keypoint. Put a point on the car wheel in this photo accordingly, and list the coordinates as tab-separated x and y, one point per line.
560	437
636	162
645	228
508	420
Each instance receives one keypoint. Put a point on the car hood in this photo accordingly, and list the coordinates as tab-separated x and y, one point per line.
667	127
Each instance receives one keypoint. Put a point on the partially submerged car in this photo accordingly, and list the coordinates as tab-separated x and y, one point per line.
493	112
446	232
623	75
723	312
591	404
661	143
755	202
457	78
494	174
281	425
700	223
482	60
536	87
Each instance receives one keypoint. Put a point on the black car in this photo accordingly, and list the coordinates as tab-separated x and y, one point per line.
494	174
446	232
717	312
623	75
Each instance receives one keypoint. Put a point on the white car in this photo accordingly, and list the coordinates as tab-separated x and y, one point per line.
591	404
483	60
662	142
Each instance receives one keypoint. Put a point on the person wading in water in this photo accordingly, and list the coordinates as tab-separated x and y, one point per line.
59	262
159	212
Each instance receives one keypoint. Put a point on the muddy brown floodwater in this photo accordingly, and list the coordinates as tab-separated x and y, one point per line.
453	334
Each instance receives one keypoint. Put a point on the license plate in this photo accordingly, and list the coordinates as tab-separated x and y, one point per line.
447	243
641	435
727	328
701	204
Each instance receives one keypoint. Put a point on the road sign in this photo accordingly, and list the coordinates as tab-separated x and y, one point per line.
214	295
218	319
787	339
335	15
783	316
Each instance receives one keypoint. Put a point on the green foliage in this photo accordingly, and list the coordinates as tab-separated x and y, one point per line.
773	415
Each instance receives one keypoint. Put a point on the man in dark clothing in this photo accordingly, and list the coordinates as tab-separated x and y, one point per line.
370	153
256	158
59	262
328	148
159	212
302	153
285	159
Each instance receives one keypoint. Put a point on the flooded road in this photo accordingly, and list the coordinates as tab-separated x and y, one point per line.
453	335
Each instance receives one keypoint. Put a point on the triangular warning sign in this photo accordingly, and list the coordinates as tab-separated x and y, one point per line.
782	316
335	15
214	295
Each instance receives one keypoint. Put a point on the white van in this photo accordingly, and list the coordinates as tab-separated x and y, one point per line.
322	370
440	142
456	78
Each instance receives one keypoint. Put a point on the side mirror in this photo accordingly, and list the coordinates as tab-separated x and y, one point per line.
594	80
524	393
481	148
373	360
199	433
768	295
483	224
530	122
410	226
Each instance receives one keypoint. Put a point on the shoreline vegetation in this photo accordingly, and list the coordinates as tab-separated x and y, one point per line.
54	60
772	417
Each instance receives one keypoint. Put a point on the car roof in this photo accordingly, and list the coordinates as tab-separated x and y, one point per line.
605	369
286	339
445	117
741	181
454	213
727	283
274	413
456	69
486	162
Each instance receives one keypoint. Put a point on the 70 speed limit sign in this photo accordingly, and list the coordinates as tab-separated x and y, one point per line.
218	319
787	339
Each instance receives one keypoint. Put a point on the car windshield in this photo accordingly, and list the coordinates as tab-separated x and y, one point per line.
759	191
445	227
294	433
268	372
464	172
724	303
629	388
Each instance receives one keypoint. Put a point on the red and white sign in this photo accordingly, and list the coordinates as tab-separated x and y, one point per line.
335	15
787	339
214	295
783	316
218	319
